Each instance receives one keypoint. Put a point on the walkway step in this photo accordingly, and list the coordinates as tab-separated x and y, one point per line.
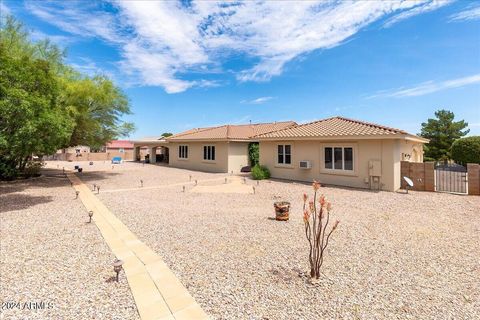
158	293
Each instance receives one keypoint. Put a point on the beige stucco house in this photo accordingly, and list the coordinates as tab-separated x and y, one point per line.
340	151
217	149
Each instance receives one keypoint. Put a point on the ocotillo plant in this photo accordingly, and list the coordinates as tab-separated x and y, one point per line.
316	217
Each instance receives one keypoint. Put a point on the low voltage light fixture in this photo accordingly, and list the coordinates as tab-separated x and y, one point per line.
117	266
90	215
76	194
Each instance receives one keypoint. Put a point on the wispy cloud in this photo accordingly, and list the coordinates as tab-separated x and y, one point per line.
419	8
4	10
427	88
36	35
470	13
260	100
160	42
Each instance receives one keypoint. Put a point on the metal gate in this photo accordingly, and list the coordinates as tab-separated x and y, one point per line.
451	177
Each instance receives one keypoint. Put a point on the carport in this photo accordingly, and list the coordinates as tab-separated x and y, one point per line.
153	144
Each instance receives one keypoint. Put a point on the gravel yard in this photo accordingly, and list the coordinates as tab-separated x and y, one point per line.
394	255
399	256
48	254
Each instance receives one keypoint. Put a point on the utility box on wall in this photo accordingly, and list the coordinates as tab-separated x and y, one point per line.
375	168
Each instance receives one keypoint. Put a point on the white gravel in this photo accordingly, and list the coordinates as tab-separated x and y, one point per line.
48	254
394	256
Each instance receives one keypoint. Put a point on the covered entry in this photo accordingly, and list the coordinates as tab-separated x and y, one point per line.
157	150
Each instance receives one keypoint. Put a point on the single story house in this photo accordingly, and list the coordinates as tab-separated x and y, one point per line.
340	151
217	149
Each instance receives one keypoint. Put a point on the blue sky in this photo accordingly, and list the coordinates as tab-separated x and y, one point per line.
191	64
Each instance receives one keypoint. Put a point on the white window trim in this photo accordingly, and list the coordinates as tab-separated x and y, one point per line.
342	171
292	161
178	151
216	154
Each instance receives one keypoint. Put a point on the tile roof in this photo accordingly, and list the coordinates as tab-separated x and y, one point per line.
333	127
231	132
120	144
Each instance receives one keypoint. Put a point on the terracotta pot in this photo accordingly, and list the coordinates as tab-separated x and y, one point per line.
282	210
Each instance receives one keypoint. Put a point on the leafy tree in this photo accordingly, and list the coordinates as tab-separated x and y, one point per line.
167	134
253	153
31	121
46	105
442	132
466	150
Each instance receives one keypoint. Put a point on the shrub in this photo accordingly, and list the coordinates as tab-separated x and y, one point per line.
260	172
466	150
32	169
316	218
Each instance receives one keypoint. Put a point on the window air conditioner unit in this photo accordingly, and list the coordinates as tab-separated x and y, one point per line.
305	164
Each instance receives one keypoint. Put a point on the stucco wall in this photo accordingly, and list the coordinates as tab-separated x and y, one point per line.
386	151
195	157
411	151
237	156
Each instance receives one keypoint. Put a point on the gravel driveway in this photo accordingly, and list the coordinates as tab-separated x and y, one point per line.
52	264
394	255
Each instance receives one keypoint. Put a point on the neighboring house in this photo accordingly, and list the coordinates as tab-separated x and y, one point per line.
340	151
118	146
217	149
77	150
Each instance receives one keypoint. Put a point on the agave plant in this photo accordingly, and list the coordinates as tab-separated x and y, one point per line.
316	217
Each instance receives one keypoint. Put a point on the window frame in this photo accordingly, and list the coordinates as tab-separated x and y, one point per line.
182	152
209	153
284	155
339	171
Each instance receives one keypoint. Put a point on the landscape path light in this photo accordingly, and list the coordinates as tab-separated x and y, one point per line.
258	182
117	266
183	188
225	180
190	177
98	189
90	215
141	183
196	181
76	194
253	189
244	180
94	186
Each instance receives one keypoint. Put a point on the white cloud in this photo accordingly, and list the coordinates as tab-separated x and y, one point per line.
161	42
4	10
427	88
419	8
257	101
60	40
470	13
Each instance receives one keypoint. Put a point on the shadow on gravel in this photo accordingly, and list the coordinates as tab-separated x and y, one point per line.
20	201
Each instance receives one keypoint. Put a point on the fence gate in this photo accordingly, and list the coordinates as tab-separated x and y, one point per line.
451	178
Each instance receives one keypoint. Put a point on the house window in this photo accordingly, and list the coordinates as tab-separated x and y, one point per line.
209	153
339	158
122	150
183	152
284	154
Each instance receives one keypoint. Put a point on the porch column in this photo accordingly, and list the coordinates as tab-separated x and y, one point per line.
153	154
136	153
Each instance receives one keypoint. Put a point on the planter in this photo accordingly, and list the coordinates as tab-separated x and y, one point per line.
282	210
80	169
76	167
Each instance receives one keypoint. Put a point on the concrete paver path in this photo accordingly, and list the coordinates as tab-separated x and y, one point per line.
158	293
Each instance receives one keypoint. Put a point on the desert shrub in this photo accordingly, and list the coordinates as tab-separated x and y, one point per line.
32	169
260	172
316	217
466	150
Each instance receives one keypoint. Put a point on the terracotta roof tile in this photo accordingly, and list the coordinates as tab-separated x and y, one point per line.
231	132
333	127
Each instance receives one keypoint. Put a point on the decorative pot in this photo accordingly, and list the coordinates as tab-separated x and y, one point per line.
282	210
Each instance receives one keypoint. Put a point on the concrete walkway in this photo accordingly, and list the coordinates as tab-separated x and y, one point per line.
158	293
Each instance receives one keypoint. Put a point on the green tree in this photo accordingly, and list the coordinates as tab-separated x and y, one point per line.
442	132
253	153
167	134
46	105
96	105
466	150
31	120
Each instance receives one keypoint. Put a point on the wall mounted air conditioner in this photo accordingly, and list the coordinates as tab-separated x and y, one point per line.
305	164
